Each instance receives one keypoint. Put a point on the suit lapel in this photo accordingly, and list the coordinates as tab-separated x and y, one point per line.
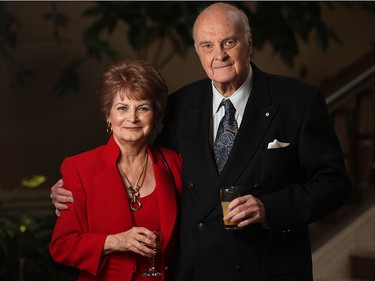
258	115
200	113
201	161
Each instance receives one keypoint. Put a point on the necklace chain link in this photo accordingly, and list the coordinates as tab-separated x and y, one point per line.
135	204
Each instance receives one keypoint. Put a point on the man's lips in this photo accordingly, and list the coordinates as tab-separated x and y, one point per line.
222	66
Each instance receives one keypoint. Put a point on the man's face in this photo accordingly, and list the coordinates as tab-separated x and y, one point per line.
224	49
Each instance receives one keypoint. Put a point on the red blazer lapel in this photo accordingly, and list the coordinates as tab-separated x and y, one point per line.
110	186
114	197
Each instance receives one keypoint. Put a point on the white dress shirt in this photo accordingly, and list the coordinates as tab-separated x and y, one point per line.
238	99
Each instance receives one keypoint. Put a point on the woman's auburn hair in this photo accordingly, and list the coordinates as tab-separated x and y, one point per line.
139	80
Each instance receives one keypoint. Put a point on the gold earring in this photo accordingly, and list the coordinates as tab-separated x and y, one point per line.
109	128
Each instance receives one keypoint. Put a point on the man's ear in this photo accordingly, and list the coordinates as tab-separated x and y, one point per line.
250	40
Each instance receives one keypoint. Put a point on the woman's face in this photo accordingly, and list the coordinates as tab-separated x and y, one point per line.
132	120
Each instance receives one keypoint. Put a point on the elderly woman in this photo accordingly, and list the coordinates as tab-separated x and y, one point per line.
124	190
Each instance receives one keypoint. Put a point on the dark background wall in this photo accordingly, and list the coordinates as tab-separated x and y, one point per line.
38	129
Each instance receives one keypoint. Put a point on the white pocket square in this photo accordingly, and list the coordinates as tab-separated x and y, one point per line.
277	144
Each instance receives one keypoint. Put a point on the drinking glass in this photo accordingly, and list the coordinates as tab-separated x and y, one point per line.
227	194
151	271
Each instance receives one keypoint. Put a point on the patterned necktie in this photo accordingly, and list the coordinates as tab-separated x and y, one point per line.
226	134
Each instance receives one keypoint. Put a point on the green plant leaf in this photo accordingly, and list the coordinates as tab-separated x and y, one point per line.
69	80
33	181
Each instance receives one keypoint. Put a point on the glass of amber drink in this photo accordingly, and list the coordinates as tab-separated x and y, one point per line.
227	194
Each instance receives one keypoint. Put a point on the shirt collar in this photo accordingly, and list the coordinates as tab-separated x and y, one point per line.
239	97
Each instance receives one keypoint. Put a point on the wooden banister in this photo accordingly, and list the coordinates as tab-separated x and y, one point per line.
350	97
355	78
351	89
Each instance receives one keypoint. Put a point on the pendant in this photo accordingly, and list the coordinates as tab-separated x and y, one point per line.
135	205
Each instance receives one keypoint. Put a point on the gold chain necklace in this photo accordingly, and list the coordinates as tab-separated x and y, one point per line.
135	204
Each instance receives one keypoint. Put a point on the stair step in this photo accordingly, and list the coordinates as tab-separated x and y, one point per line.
363	264
342	279
34	202
365	254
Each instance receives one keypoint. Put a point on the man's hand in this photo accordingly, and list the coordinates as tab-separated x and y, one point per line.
59	196
246	209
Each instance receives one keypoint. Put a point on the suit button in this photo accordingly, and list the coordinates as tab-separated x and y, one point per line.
257	186
191	185
237	268
200	226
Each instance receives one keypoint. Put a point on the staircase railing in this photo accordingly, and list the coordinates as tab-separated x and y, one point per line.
352	106
350	97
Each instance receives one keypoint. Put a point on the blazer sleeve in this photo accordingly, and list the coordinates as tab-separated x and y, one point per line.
323	185
71	243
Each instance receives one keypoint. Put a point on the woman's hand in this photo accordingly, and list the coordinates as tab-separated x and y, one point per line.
139	240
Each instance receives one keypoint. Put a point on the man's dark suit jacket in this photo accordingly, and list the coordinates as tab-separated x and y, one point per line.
297	184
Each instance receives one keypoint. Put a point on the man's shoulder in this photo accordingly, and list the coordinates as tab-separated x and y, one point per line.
279	80
193	87
284	88
171	157
156	149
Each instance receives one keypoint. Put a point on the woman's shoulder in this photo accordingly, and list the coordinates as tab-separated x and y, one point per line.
87	156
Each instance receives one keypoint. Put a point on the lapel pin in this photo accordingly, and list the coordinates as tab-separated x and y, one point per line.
267	114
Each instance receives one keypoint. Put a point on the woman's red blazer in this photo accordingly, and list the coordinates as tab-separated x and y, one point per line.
101	207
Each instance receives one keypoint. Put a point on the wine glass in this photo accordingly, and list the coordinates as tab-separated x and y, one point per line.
151	271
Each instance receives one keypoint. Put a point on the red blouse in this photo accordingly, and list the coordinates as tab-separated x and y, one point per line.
147	216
